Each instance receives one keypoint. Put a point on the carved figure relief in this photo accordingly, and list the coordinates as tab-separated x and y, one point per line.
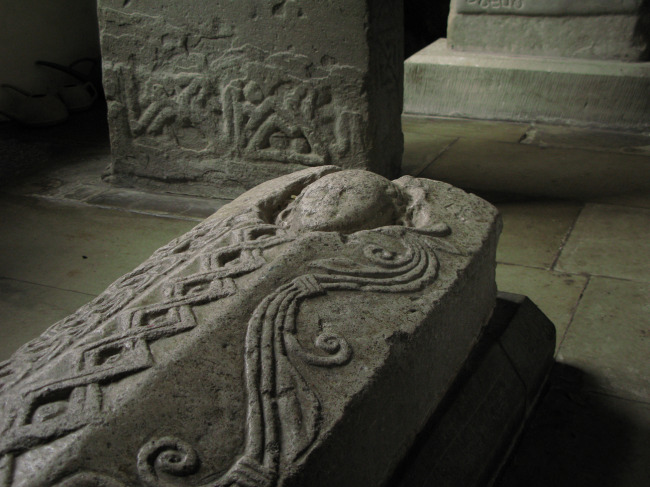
278	126
359	234
234	102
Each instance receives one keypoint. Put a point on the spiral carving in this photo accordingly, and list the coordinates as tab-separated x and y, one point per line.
337	348
168	455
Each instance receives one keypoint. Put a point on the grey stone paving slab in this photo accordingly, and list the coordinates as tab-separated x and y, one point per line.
75	179
556	294
27	309
582	138
610	241
76	247
25	151
633	200
158	203
558	173
534	231
609	337
279	342
420	150
81	180
467	128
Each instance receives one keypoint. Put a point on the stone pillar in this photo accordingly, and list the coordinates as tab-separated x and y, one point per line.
579	62
219	95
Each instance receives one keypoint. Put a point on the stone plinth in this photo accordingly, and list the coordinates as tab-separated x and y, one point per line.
606	94
467	440
217	96
551	61
587	29
302	335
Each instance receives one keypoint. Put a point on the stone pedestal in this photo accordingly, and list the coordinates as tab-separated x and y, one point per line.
585	29
217	96
532	60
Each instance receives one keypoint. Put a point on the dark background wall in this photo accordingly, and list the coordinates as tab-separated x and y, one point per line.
424	22
60	31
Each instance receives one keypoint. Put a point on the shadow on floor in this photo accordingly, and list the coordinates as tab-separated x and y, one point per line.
578	438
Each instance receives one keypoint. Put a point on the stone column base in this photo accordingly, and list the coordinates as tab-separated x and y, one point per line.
605	94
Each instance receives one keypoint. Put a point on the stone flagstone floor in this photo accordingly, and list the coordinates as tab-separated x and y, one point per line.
576	240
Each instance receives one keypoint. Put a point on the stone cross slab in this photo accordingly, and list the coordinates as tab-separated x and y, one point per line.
301	336
214	97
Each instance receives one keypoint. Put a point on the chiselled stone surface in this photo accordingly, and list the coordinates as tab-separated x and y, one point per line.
547	7
590	29
225	95
302	335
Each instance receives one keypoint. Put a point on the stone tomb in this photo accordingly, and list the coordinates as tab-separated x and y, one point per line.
302	335
215	97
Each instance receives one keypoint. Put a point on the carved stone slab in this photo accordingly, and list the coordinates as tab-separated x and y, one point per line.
302	335
219	95
587	29
547	7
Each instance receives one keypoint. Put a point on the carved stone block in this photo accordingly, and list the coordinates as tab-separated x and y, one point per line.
589	29
302	335
221	95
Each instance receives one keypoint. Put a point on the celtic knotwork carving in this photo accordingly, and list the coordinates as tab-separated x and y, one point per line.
49	411
108	339
83	326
